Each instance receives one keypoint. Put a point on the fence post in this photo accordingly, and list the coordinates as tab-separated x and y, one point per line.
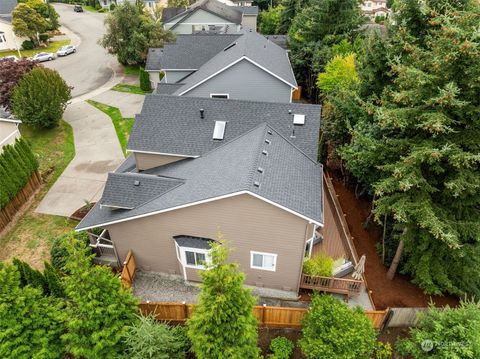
185	310
264	308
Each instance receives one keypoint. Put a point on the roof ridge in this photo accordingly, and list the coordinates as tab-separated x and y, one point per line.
257	158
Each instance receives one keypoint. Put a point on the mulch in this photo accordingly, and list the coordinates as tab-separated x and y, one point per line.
386	293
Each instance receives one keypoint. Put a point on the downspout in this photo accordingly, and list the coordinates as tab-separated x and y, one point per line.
303	256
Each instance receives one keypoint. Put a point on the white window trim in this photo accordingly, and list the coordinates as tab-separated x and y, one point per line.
264	254
183	256
219	94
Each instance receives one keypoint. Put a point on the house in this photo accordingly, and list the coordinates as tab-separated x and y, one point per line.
243	66
199	166
8	40
210	16
9	131
374	8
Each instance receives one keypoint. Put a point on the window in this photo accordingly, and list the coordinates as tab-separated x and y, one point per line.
192	257
264	261
308	248
219	95
195	258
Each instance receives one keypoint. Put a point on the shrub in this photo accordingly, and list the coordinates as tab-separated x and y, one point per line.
383	351
28	45
144	80
59	252
333	330
112	6
40	97
44	37
149	339
451	332
281	347
320	265
30	276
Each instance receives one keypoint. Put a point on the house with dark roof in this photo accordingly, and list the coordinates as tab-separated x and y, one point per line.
210	16
242	66
8	40
200	167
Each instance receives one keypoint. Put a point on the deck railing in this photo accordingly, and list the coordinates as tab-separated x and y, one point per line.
349	287
102	245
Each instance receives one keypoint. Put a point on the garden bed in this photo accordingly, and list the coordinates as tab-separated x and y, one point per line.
386	293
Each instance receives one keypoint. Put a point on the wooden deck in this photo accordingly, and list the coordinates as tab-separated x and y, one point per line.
348	287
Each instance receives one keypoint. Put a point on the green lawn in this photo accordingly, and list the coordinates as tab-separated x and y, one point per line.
52	47
130	89
123	126
31	237
89	8
131	70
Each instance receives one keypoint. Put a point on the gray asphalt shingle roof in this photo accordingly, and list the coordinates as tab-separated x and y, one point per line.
172	124
289	178
193	242
128	191
188	51
7	6
167	89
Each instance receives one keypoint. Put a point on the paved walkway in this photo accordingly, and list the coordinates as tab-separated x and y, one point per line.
128	104
97	152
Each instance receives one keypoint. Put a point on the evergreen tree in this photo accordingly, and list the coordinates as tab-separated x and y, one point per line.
223	324
422	151
53	281
30	323
99	308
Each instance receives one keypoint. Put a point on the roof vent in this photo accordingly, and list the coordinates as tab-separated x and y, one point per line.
219	130
260	169
265	152
136	183
230	46
293	132
289	112
270	132
256	184
298	119
202	113
267	141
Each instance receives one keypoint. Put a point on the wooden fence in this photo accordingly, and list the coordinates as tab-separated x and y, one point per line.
297	94
10	210
270	317
403	317
129	270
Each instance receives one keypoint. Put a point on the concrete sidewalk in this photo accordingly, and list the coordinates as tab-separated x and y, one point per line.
97	152
129	104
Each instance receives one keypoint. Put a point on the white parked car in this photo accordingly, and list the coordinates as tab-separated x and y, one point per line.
66	50
43	56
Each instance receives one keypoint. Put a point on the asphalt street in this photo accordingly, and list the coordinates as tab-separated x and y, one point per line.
90	67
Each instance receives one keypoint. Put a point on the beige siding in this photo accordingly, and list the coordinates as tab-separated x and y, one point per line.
249	22
248	223
146	161
8	133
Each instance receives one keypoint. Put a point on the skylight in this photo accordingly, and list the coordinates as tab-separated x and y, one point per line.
298	119
219	130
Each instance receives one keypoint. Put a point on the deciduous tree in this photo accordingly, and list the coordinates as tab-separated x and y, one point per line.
10	73
28	22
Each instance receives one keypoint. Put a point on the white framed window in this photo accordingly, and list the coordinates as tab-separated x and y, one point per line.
263	261
192	257
308	248
220	95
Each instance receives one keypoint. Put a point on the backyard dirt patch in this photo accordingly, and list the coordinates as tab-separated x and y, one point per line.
386	293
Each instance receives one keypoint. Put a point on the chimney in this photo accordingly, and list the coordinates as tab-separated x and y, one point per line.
202	113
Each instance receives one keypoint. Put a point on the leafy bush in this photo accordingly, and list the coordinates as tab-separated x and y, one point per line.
40	97
30	276
59	253
451	332
149	339
112	6
144	80
383	351
44	37
320	265
333	330
281	347
28	45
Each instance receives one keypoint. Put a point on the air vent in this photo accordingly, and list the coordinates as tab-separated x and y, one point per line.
229	46
265	152
270	132
260	169
298	119
219	130
267	141
256	184
136	183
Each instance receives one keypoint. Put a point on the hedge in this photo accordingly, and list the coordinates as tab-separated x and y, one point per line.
17	164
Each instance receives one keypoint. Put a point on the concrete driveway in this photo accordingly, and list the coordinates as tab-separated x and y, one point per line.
129	104
91	66
97	149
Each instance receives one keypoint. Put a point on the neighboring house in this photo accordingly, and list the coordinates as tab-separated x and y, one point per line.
245	169
374	8
210	16
8	129
8	40
243	66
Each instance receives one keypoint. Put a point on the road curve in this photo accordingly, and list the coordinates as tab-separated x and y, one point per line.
91	66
